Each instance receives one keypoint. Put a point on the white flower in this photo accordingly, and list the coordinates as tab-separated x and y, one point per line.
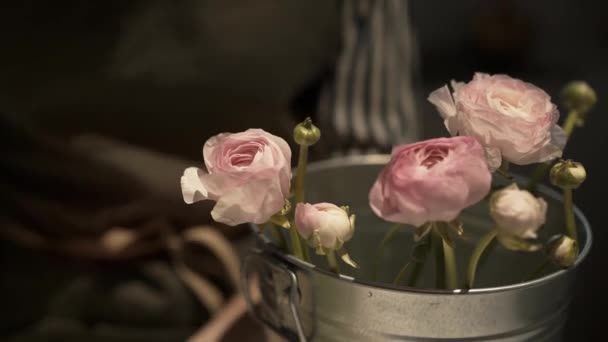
517	213
326	226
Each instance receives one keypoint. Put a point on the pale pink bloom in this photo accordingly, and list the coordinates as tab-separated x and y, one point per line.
432	180
248	174
324	225
512	119
517	212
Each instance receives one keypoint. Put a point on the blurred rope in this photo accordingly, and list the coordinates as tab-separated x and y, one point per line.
154	237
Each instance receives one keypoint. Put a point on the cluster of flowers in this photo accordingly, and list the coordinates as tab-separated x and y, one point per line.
494	120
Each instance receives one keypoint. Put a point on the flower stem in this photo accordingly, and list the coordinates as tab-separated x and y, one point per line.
295	243
278	235
537	175
570	122
332	262
305	250
299	198
420	255
481	246
401	273
391	232
541	170
538	270
416	261
301	173
437	246
569	214
451	272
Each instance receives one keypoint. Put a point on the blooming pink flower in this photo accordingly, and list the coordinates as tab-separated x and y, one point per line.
432	180
512	119
326	226
248	174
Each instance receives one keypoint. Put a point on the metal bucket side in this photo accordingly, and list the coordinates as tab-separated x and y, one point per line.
330	308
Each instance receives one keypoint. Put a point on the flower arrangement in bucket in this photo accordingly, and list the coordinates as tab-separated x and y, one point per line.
425	188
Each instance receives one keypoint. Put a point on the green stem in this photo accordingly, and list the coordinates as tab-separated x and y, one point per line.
537	175
305	249
541	170
417	268
278	235
417	259
437	246
296	240
481	246
538	270
295	243
389	235
570	122
332	262
451	272
301	173
420	255
569	214
401	273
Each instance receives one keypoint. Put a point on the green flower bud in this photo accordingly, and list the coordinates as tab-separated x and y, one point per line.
305	133
568	174
579	96
562	250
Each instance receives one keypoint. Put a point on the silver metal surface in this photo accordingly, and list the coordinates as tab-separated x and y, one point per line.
360	306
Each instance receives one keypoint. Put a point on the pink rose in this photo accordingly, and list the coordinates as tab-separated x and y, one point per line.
326	226
249	175
432	180
512	119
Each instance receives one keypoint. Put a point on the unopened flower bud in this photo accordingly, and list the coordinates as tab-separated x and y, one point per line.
517	213
562	251
568	174
579	96
324	225
305	133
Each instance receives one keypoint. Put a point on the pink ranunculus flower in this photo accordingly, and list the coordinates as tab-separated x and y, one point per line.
248	175
324	225
512	119
432	180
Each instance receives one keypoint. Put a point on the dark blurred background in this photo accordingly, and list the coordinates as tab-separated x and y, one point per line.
86	86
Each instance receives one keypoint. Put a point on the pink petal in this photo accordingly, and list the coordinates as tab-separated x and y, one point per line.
306	219
442	99
253	202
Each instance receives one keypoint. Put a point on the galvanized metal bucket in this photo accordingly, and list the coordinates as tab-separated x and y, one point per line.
304	302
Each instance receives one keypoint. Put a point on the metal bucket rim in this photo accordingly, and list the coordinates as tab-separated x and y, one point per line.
383	159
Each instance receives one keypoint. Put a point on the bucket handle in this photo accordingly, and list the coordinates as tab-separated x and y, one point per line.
293	292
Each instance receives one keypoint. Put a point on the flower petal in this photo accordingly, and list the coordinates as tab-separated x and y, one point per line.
556	147
243	204
442	99
193	189
494	158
